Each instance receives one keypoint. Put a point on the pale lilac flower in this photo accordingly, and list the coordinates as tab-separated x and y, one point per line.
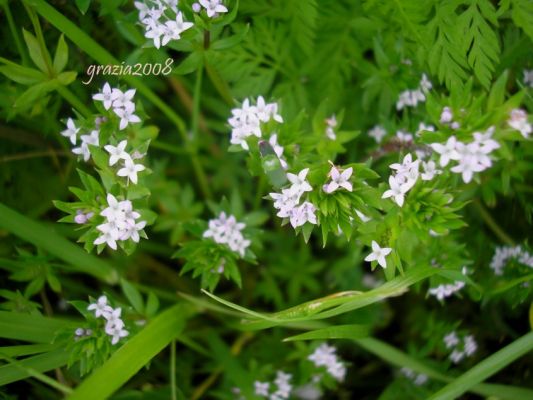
299	182
331	124
302	214
126	115
451	340
528	77
71	131
117	152
446	115
101	308
261	388
447	151
377	133
226	230
116	332
397	191
123	99
339	180
213	7
378	254
130	170
105	96
430	170
404	137
518	120
425	84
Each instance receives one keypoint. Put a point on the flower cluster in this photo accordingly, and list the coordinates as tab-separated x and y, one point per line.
288	201
460	350
411	98
92	139
504	254
403	180
418	379
325	356
120	223
226	230
114	326
471	157
282	384
162	20
518	120
213	8
130	169
443	291
246	121
121	103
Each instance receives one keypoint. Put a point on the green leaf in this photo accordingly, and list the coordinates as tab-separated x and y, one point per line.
133	295
61	56
34	93
132	356
29	366
333	332
20	74
44	237
35	50
486	368
31	328
66	78
190	64
83	5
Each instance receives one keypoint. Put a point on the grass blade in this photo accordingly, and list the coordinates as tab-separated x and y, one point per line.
400	359
333	332
134	355
55	244
486	368
31	328
33	367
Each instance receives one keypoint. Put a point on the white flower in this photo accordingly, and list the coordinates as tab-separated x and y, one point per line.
457	356
116	332
105	96
339	179
468	164
447	152
117	153
130	170
397	191
174	29
423	127
326	356
518	121
86	140
470	345
213	7
126	115
446	290
362	216
378	133
446	115
299	182
302	214
378	254
109	235
132	231
123	99
71	131
101	308
113	318
261	388
285	202
278	149
430	170
451	340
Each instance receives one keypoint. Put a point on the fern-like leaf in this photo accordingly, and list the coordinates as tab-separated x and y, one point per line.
445	58
303	24
522	15
480	43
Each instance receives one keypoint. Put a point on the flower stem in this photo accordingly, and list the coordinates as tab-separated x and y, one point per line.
492	224
16	36
173	370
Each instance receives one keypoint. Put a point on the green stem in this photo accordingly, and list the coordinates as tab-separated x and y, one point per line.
196	103
492	224
40	39
16	36
67	94
173	370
